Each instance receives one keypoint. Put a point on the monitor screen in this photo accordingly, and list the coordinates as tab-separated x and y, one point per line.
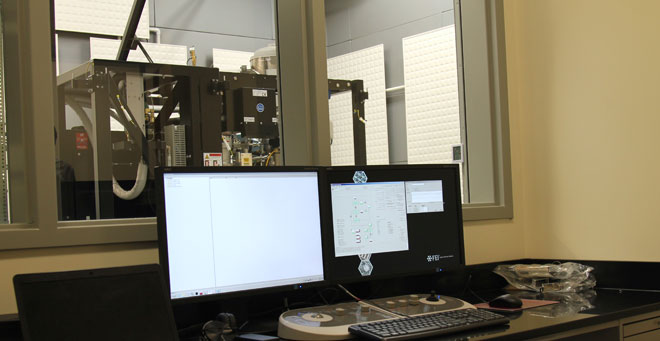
387	221
229	229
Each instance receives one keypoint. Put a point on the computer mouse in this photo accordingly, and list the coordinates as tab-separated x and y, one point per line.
505	301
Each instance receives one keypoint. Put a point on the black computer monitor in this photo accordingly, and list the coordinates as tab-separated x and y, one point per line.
234	230
389	221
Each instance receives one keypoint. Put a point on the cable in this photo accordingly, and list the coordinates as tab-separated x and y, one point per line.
130	123
361	119
467	288
349	293
224	141
304	303
318	292
271	154
131	127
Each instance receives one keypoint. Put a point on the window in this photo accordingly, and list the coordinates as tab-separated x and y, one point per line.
4	164
300	33
206	94
419	60
46	225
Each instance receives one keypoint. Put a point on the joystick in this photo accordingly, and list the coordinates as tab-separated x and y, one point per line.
433	297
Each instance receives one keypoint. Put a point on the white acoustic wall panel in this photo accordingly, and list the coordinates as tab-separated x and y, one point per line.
431	82
368	65
107	17
341	122
231	60
160	53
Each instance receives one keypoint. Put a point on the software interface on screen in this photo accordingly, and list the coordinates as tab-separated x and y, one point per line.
229	232
391	223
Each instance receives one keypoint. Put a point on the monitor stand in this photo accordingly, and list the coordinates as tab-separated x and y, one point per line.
331	322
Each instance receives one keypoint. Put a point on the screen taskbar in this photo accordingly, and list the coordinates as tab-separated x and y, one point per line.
297	282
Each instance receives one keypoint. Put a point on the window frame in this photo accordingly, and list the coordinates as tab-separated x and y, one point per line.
303	69
484	105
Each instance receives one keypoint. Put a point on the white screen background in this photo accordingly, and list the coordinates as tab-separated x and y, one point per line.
242	230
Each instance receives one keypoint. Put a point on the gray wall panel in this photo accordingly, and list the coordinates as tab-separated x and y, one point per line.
245	18
365	17
72	50
152	20
339	49
448	18
337	22
396	123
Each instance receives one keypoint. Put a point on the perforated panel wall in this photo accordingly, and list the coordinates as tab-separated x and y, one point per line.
368	65
431	85
231	60
160	53
341	121
98	16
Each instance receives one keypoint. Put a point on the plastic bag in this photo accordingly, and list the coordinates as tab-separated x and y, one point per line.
564	277
571	303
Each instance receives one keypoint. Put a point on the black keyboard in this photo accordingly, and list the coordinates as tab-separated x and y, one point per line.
413	327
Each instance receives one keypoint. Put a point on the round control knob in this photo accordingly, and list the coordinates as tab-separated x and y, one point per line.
413	299
364	308
340	311
390	304
402	303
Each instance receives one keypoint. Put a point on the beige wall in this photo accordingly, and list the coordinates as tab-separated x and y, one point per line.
586	92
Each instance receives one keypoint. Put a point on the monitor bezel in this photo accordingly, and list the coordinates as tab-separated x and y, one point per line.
162	229
21	280
328	236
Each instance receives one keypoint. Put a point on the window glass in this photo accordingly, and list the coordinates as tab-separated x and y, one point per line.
4	165
13	169
405	52
205	94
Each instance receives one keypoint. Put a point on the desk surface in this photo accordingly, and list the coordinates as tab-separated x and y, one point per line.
601	307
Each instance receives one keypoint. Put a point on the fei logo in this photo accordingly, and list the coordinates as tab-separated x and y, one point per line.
433	258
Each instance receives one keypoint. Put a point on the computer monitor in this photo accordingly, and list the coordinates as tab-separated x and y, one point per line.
389	221
233	230
101	304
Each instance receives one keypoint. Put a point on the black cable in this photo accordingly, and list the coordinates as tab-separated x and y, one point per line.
467	284
467	288
477	296
318	292
305	302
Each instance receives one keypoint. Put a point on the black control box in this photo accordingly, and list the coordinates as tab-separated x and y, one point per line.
256	112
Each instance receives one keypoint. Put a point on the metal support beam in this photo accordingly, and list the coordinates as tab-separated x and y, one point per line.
128	39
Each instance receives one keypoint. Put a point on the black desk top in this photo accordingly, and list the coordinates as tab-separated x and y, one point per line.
590	309
601	306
